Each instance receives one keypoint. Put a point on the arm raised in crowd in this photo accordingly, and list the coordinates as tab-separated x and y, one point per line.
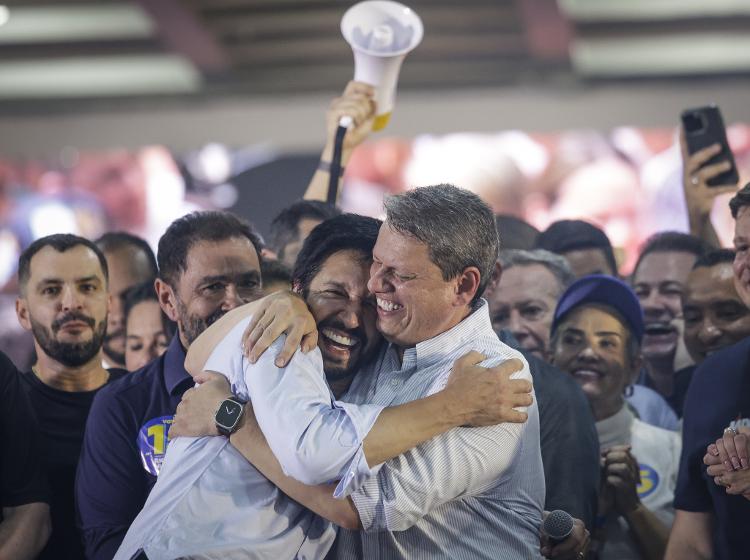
699	196
356	102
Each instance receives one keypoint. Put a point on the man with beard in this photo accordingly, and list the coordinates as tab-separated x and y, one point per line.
63	301
208	265
311	433
659	279
131	262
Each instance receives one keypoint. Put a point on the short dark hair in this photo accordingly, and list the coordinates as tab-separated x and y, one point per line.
193	228
139	293
672	242
285	226
515	233
275	271
340	233
117	240
457	226
60	242
564	236
712	258
740	200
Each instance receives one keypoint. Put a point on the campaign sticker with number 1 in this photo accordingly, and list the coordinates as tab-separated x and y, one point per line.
152	442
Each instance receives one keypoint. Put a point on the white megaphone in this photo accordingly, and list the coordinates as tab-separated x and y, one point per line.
381	34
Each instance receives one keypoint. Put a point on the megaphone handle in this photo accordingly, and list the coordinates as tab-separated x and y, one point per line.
335	170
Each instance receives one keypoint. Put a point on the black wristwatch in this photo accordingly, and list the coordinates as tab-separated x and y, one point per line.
228	415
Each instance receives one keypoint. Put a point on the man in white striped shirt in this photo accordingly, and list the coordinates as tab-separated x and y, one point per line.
470	492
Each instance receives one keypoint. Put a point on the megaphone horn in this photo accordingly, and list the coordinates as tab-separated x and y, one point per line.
381	33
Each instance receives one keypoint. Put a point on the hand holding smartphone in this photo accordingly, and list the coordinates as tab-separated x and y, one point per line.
703	130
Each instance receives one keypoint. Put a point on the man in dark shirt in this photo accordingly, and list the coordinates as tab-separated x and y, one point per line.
63	301
522	298
708	522
24	495
208	265
567	437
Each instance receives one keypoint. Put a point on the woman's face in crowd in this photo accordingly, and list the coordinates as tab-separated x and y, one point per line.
145	335
591	345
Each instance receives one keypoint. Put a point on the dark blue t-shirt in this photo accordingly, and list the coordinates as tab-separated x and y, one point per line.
62	418
124	445
718	397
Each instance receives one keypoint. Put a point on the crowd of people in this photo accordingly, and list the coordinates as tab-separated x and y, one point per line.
431	385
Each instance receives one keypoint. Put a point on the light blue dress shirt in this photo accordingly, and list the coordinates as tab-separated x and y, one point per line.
210	503
470	493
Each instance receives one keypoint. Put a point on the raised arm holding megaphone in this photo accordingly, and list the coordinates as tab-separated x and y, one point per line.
381	33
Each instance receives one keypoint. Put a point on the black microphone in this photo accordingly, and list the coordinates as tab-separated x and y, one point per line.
558	525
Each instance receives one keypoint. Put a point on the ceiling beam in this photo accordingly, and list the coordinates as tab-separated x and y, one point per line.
185	34
546	30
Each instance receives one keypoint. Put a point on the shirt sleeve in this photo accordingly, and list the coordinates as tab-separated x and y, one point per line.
461	462
110	483
315	438
23	479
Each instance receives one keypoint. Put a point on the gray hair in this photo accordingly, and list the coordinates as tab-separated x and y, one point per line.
556	264
455	224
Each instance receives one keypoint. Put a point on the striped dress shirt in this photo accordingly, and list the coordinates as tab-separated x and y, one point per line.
469	493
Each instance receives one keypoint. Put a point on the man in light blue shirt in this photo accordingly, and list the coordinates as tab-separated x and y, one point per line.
469	492
209	502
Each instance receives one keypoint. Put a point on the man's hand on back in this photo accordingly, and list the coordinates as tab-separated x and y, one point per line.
280	313
195	416
488	396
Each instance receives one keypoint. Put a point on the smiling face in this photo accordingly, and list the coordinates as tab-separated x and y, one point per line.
715	316
64	304
742	254
414	302
345	313
659	283
524	302
591	345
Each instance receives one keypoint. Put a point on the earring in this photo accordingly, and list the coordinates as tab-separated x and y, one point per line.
628	391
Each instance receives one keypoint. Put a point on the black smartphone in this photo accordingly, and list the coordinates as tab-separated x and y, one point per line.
704	126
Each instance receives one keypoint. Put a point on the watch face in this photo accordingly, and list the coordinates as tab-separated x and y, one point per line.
228	414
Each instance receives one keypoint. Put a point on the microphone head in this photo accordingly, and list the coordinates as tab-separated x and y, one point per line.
558	525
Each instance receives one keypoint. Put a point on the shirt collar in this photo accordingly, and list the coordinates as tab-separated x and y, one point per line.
175	374
430	351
